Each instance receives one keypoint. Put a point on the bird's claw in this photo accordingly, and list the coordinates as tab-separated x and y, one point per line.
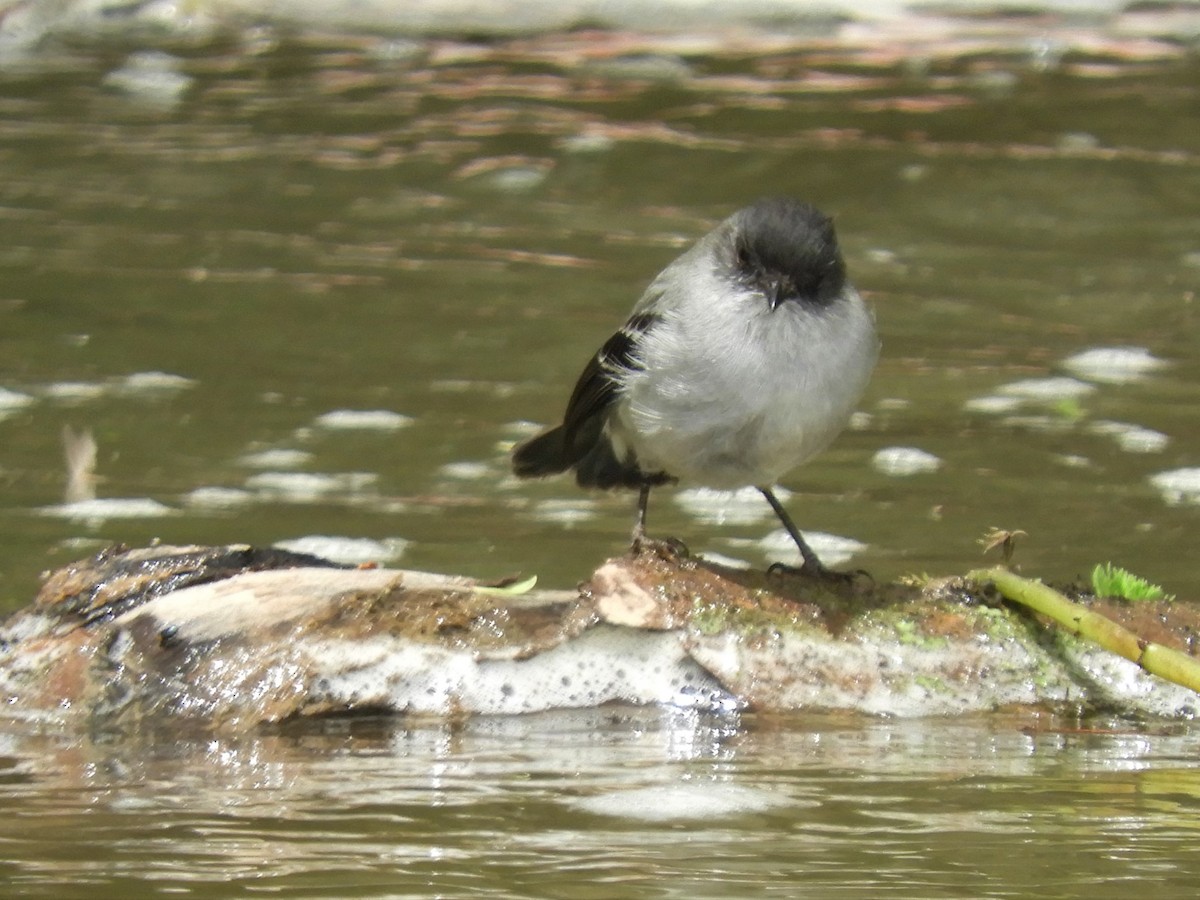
669	549
819	572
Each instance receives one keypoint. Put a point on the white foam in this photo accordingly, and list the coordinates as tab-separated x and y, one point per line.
833	550
685	799
603	665
109	508
13	400
218	498
1113	365
276	458
992	404
151	77
1048	390
901	461
465	471
363	420
1131	438
1178	486
565	511
75	391
306	487
351	551
154	383
745	506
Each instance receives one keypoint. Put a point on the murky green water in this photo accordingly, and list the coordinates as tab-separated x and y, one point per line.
448	235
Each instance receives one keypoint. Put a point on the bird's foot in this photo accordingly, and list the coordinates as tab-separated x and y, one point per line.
819	572
669	549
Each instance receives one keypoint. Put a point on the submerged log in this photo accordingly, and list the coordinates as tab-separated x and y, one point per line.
231	637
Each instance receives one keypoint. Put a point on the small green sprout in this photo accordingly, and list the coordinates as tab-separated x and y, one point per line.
508	588
1113	581
1070	409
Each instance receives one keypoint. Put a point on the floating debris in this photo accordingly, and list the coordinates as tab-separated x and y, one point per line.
363	420
79	448
903	461
1114	365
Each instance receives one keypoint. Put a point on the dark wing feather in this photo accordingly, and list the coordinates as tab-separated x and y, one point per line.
597	385
580	440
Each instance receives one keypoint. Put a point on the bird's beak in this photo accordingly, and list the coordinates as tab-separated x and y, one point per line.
776	292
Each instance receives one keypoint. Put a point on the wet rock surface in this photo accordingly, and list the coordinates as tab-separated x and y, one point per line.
233	637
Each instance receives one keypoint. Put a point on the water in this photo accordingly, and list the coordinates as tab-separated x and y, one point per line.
613	803
296	228
318	227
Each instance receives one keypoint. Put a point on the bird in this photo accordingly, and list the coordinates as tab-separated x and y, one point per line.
743	359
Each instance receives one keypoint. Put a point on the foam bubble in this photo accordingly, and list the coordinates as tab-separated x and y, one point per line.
902	461
685	799
276	458
363	420
109	508
745	506
1048	390
606	664
1132	438
832	549
351	551
154	383
218	498
1178	486
992	405
305	487
1113	365
10	400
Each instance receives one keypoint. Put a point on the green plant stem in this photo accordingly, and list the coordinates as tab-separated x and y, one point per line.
1153	658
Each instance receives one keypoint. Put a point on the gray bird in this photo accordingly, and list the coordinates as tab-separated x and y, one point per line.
743	359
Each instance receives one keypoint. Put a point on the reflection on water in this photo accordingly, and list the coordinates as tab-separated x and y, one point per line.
608	803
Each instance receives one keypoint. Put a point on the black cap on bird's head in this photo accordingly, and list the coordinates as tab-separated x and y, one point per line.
788	250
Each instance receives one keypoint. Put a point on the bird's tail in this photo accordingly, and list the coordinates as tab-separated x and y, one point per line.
543	455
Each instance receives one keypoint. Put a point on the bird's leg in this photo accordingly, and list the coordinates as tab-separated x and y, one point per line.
813	565
670	548
639	524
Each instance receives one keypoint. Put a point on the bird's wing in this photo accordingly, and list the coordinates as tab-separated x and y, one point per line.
597	386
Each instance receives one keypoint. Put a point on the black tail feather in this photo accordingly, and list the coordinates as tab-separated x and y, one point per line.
543	455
